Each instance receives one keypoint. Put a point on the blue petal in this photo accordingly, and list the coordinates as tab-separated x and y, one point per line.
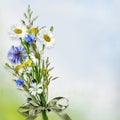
15	56
30	38
19	82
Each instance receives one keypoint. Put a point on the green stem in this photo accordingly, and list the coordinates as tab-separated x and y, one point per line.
44	115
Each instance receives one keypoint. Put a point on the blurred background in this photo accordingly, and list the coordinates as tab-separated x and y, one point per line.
86	56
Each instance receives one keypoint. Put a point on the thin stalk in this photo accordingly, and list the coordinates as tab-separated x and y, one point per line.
44	114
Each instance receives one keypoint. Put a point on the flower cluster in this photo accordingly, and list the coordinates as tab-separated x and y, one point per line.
28	64
31	34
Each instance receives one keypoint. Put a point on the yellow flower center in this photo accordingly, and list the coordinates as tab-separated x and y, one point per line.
18	30
34	30
47	38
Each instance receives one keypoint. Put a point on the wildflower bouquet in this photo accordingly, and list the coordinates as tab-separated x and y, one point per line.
32	70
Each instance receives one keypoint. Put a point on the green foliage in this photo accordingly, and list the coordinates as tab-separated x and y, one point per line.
29	21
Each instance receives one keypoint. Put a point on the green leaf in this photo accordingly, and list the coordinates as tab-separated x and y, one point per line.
23	22
50	78
7	65
54	78
46	84
37	55
29	9
51	69
51	28
25	15
31	14
47	62
64	116
35	18
31	118
34	47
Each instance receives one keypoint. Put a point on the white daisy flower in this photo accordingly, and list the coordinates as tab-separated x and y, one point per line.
17	32
35	89
46	37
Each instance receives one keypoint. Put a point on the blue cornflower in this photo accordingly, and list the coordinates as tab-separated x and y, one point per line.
30	38
17	54
19	82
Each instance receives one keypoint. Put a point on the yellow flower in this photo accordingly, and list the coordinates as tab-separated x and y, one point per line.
18	67
34	31
29	62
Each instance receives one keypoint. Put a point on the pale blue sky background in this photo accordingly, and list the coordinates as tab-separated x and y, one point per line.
87	53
